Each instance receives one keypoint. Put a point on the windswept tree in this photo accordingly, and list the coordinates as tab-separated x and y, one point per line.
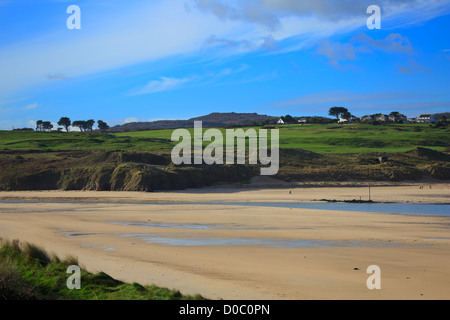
289	119
102	125
337	112
47	126
80	124
90	124
346	115
65	122
39	125
84	125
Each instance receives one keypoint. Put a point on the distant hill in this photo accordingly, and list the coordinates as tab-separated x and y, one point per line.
211	120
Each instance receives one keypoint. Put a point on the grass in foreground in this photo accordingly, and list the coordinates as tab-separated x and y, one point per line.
28	272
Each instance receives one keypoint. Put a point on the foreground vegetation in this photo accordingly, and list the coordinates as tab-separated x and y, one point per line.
28	272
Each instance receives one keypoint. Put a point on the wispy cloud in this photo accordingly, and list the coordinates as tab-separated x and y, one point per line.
196	80
412	103
6	102
412	66
141	32
274	13
164	84
132	33
336	51
31	106
393	43
131	120
446	53
362	43
348	98
57	76
6	111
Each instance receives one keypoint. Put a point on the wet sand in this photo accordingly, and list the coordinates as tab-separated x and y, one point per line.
275	253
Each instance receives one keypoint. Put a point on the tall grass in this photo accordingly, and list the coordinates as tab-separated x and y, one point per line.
28	272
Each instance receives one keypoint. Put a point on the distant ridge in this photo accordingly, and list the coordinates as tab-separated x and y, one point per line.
212	120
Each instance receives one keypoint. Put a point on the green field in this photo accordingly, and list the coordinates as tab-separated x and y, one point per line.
323	139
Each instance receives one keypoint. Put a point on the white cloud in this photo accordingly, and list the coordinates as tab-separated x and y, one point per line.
347	97
336	51
169	84
143	31
131	120
164	84
271	13
31	124
363	43
412	66
31	106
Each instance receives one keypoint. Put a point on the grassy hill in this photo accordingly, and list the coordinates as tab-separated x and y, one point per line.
316	138
140	161
212	120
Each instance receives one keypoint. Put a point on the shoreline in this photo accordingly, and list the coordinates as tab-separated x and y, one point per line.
220	256
432	193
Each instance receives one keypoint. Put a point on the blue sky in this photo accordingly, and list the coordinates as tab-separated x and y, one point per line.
146	60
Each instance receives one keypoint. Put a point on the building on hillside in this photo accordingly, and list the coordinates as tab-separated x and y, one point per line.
397	118
432	118
350	119
281	121
425	118
381	117
367	118
438	116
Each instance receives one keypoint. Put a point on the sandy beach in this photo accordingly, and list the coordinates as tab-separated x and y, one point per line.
240	252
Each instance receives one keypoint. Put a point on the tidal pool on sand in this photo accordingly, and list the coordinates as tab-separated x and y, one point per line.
265	242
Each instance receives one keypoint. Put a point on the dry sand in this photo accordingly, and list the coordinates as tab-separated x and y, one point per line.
413	251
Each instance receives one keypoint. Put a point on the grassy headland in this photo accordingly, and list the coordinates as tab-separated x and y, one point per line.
28	272
140	161
357	138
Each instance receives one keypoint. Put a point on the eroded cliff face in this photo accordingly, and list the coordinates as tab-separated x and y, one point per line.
145	171
108	171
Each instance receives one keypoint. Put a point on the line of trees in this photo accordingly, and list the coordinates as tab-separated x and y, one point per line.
66	123
44	125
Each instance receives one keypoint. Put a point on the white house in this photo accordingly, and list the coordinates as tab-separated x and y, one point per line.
281	121
343	120
426	118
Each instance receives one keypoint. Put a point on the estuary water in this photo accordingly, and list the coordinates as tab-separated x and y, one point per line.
395	208
375	207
